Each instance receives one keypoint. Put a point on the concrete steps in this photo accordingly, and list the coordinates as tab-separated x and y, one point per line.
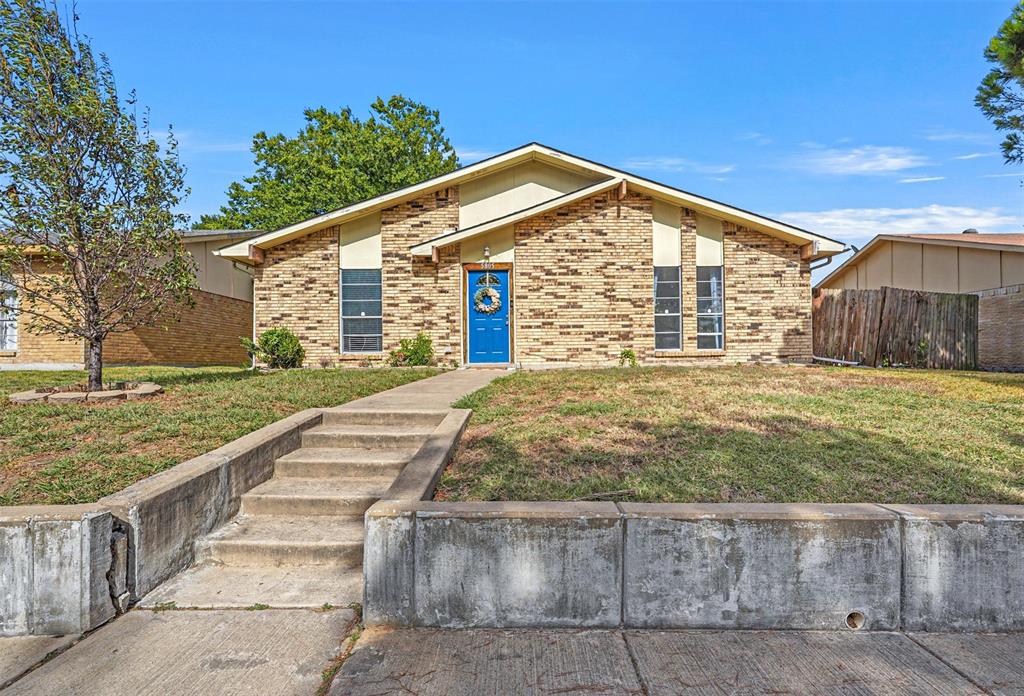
327	462
425	419
298	537
366	436
286	540
315	496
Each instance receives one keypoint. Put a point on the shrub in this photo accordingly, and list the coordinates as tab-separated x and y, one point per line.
627	356
278	348
413	351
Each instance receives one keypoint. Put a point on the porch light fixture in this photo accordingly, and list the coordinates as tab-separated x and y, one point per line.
487	257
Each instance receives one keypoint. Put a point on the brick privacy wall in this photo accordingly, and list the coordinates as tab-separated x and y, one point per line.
583	282
206	334
1001	328
297	287
419	296
767	298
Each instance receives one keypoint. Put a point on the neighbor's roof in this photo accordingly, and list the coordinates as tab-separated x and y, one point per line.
192	236
824	246
992	241
996	238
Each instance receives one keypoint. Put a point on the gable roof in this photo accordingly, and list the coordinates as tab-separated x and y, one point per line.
823	246
992	241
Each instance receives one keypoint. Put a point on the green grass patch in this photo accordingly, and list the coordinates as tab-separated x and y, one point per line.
744	434
78	453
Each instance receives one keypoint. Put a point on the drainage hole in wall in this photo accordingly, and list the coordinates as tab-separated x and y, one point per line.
854	620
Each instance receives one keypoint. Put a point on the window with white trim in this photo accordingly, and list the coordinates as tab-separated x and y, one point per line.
362	317
8	316
710	308
667	303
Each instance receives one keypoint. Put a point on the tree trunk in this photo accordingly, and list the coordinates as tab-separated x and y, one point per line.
94	364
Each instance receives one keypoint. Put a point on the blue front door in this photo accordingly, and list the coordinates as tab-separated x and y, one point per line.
487	308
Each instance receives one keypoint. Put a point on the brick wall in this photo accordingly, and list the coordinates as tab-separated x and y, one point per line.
419	296
583	282
1001	328
46	348
297	287
767	298
206	334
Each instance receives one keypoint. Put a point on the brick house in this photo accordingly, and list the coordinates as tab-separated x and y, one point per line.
539	258
205	334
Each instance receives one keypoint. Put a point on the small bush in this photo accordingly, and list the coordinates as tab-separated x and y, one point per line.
413	352
627	357
277	348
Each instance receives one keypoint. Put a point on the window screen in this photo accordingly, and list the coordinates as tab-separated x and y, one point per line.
361	311
710	308
667	326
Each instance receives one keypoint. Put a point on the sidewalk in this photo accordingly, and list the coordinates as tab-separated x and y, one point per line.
481	662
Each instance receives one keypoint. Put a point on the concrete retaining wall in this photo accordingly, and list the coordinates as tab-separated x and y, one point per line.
694	566
164	514
53	565
65	569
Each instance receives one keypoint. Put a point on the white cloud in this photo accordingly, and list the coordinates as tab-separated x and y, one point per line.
974	155
921	179
1000	176
858	225
863	160
676	164
190	142
754	137
469	155
942	135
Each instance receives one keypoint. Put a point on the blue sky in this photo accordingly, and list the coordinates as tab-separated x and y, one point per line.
850	119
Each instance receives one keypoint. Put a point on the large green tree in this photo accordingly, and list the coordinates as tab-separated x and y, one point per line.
87	197
334	161
1001	94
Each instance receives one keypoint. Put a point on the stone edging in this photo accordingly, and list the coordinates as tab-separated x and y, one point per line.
722	566
63	395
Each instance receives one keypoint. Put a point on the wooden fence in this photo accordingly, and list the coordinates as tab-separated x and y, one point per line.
897	327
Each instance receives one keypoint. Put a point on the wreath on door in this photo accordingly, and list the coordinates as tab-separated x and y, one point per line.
487	293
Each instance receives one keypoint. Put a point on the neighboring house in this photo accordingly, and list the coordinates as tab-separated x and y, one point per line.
206	334
539	258
989	265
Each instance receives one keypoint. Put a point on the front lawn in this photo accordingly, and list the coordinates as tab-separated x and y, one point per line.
744	434
78	453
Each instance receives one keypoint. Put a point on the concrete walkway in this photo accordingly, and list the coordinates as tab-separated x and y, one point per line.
430	662
436	392
259	612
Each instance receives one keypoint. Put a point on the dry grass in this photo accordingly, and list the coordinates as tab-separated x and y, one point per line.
751	434
78	453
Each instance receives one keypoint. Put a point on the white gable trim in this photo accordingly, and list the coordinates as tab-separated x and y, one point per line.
536	151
